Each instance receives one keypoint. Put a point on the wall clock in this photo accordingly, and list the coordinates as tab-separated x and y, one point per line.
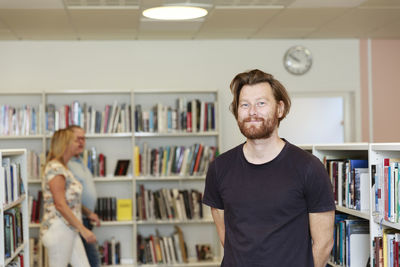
297	60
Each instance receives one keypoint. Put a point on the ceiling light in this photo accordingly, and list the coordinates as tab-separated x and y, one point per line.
175	12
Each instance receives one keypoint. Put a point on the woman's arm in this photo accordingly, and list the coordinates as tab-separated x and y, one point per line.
57	189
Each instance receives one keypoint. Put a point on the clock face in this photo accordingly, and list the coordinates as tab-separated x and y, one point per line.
297	60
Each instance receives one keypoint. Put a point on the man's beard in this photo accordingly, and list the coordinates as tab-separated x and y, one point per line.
262	131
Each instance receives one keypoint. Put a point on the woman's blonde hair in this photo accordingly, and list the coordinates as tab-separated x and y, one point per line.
59	143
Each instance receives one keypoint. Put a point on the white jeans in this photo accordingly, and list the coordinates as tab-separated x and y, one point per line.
64	246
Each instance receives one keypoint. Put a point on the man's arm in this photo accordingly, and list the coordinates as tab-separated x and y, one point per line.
91	215
321	228
218	216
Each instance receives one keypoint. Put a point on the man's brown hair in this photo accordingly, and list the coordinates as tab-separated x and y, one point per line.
255	77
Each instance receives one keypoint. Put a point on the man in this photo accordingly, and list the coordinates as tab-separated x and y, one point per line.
272	202
89	195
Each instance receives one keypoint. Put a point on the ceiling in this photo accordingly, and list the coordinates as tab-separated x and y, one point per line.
227	19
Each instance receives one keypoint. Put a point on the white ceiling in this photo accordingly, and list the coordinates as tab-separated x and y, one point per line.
227	19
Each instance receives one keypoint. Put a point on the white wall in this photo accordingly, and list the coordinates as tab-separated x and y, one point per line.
59	65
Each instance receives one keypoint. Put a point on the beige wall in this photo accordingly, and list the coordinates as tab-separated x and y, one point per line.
385	74
112	65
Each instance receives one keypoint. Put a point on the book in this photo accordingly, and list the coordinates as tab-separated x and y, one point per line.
182	245
124	209
121	168
357	243
102	165
361	188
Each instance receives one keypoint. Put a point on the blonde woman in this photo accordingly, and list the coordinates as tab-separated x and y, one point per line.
62	213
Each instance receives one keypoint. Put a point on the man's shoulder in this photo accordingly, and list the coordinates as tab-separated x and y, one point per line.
74	161
301	157
230	154
296	151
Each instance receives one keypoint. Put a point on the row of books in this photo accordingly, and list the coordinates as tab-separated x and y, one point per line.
19	121
113	209
35	162
188	116
35	207
114	118
385	177
173	160
13	231
350	181
38	254
204	252
110	252
10	173
157	249
17	262
386	249
351	241
168	204
96	162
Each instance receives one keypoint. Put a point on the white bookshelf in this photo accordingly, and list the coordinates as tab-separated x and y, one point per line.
120	146
16	156
343	152
377	153
360	214
196	231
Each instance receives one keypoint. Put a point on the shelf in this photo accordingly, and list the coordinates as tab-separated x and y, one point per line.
102	135
16	252
113	179
102	223
34	181
34	225
386	146
170	178
15	203
382	221
152	222
333	264
361	214
175	134
108	135
12	152
37	136
346	146
115	223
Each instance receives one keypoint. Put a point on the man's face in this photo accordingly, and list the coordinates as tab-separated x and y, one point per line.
80	136
73	147
258	112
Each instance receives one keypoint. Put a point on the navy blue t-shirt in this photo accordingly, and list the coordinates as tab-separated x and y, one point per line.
266	206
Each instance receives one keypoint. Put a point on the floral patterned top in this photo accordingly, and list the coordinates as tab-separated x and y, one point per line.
73	192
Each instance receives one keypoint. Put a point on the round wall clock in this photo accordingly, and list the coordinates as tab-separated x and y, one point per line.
297	60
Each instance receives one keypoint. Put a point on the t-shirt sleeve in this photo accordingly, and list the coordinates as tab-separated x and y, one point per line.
212	195
53	170
318	192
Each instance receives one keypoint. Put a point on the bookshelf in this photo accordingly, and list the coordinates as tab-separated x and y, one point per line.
196	230
120	145
13	207
385	178
336	159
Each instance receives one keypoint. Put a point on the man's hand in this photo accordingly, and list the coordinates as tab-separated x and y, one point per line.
94	219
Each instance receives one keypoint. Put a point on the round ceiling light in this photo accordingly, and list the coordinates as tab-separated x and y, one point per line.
175	12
